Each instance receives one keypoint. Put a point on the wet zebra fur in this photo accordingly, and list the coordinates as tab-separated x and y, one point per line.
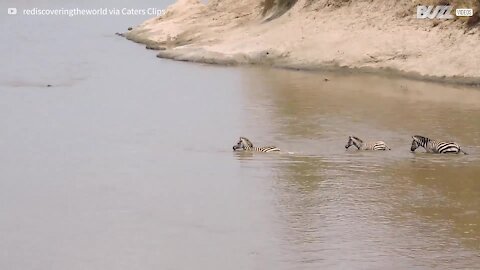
361	145
245	144
432	146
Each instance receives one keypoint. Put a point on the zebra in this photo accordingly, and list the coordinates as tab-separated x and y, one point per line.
246	145
361	145
433	146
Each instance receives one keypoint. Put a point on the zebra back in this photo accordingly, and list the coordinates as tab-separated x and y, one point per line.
440	147
247	145
378	145
444	147
265	149
361	145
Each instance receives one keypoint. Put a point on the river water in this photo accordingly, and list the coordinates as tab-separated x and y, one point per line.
126	162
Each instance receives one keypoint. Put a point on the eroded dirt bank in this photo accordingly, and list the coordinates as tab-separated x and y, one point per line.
305	34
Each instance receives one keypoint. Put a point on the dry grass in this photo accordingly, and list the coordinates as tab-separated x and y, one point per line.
277	7
327	3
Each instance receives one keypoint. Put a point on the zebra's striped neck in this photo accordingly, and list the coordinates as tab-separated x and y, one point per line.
422	141
357	142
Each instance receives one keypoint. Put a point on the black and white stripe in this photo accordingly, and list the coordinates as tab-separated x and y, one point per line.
245	144
433	146
361	145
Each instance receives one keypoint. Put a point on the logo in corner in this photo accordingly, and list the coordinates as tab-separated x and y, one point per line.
437	12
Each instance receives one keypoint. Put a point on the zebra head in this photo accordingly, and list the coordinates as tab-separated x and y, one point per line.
418	141
243	144
352	140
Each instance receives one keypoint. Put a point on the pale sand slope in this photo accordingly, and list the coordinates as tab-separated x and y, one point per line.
316	34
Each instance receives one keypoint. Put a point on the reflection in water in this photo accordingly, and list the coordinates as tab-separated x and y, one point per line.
415	209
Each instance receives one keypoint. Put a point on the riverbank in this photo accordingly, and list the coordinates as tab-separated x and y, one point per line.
365	35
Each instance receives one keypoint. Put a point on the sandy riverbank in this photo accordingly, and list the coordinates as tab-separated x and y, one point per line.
305	34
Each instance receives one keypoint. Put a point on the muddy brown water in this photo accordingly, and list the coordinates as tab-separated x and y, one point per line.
126	162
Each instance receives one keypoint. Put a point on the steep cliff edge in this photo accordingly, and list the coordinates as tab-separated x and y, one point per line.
319	34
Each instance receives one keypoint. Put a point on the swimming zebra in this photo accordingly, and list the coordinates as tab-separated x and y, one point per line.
361	145
246	145
433	146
